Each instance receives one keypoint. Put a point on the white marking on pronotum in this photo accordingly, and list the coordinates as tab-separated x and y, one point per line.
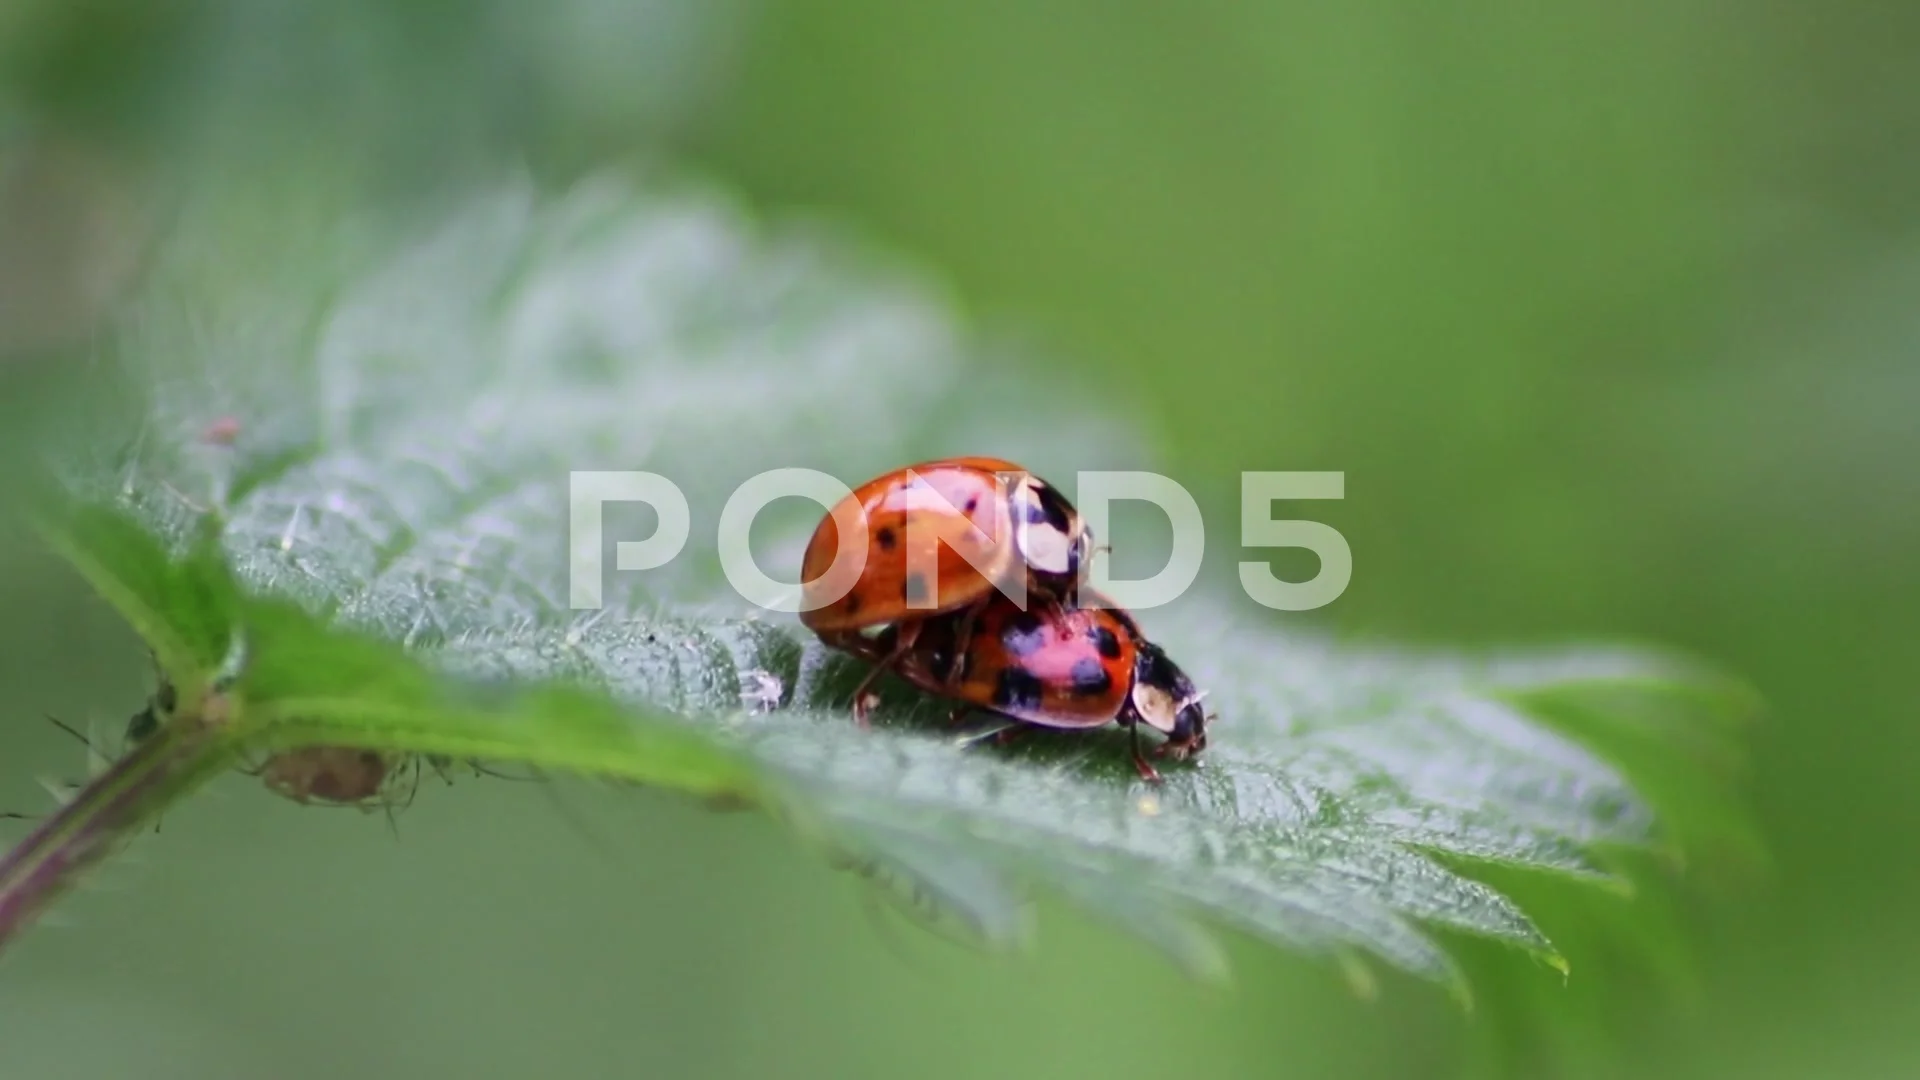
1046	548
293	526
1043	546
1155	706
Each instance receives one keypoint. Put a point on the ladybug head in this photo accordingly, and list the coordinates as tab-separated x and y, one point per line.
1166	700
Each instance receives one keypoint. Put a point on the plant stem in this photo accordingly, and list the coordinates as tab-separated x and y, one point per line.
104	813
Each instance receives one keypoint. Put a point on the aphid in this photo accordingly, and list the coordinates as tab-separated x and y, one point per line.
340	775
142	725
1062	668
139	728
979	525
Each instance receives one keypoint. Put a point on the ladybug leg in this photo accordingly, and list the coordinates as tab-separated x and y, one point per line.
1179	749
963	639
1184	744
904	638
1140	763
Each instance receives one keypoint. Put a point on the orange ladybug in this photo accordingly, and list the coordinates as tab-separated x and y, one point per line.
978	524
1061	667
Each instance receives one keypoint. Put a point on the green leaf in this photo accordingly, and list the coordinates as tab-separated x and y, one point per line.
383	546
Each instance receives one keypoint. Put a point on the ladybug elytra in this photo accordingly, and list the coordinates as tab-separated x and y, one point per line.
942	538
1060	667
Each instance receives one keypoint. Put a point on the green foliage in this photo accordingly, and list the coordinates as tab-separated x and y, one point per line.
379	559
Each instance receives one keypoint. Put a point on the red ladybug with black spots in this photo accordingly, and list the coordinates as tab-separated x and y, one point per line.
943	538
1061	667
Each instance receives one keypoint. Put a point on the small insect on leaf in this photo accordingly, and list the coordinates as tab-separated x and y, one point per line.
339	775
401	603
99	757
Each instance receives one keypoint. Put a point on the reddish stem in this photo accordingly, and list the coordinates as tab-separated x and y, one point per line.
109	809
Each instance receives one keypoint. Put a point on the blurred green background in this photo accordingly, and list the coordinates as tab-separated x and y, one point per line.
1606	309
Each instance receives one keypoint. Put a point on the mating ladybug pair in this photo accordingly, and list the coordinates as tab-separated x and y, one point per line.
983	528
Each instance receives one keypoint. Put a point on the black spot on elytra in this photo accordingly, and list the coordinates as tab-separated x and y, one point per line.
1017	690
1104	640
1090	677
851	604
1023	634
884	537
916	589
972	504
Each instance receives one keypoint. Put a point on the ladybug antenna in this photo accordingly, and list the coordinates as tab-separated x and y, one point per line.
1086	564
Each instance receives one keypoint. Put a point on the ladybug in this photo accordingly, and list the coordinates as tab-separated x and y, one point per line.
980	524
1061	667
